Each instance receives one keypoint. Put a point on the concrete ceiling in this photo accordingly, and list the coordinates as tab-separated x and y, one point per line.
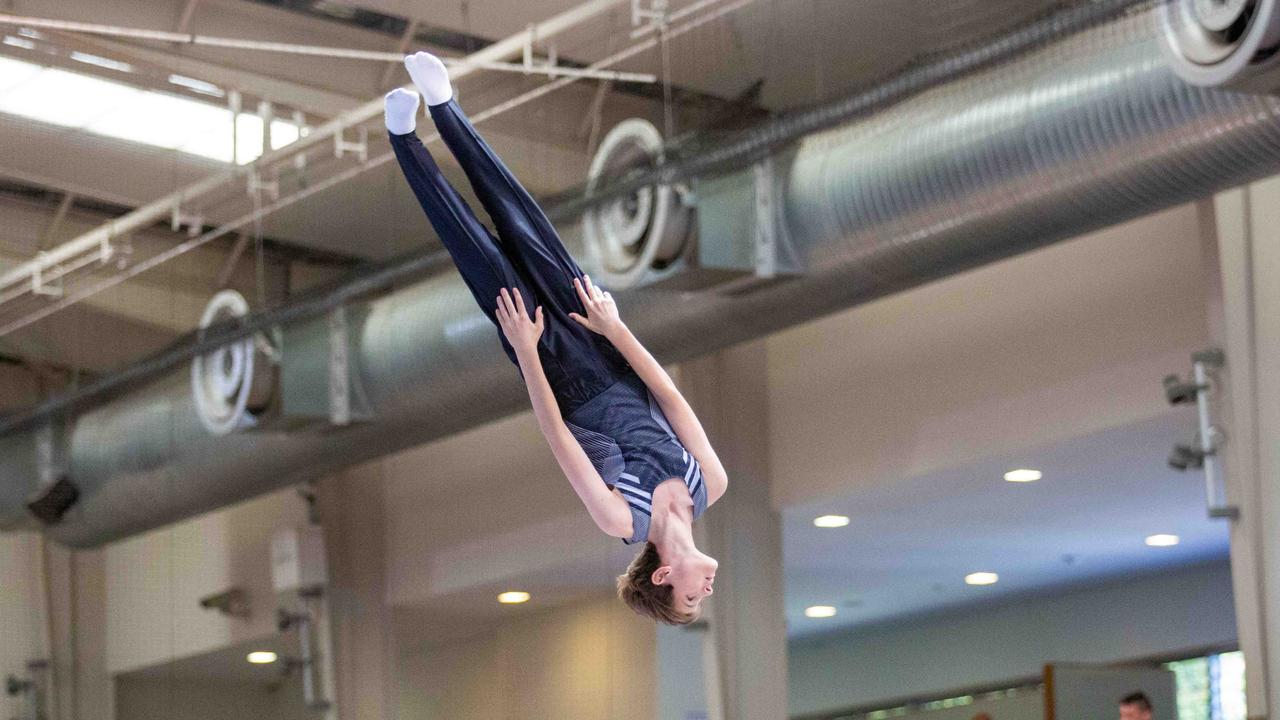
909	546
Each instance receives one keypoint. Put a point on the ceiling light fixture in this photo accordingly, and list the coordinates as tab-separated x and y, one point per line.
820	611
513	597
831	521
1163	540
981	578
262	657
1023	475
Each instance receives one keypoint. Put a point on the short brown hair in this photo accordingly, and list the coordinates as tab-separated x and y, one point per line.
637	590
1138	698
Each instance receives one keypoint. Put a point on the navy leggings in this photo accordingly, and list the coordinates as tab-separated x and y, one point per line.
526	254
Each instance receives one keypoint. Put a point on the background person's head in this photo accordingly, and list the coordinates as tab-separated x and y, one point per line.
1135	706
669	591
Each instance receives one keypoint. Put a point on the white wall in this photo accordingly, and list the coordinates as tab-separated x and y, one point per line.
155	582
682	690
22	619
1161	615
590	660
203	699
963	368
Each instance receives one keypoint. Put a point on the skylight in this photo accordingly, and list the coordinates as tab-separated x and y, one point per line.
113	109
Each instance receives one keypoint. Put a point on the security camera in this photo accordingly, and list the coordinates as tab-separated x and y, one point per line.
1178	392
230	602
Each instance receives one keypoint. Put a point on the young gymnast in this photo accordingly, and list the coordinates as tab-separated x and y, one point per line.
625	437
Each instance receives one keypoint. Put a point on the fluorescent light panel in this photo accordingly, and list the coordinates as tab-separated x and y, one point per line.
1023	475
820	611
1163	540
194	85
18	42
981	578
101	62
513	597
113	109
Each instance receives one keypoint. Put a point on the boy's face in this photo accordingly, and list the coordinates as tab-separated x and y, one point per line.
691	578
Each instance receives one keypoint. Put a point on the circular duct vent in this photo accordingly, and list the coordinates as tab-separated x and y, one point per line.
633	238
230	384
1223	43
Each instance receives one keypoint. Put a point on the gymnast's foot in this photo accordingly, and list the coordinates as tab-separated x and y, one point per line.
430	76
401	111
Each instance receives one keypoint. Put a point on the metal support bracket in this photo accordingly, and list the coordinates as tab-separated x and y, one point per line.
346	404
650	13
766	204
194	223
257	185
39	285
55	493
548	64
1210	437
360	148
1203	452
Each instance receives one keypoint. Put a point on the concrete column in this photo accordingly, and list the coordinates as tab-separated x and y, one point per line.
747	677
353	514
1243	253
76	611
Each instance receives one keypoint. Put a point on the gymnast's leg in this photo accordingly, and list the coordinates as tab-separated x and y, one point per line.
526	234
484	267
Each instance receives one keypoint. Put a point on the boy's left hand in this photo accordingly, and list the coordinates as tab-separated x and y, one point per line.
602	311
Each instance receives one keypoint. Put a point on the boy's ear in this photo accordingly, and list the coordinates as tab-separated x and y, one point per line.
661	575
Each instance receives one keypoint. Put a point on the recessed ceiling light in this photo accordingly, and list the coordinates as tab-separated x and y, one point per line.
1023	475
1163	540
513	597
981	578
262	657
831	521
820	611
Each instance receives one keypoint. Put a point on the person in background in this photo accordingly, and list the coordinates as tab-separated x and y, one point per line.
1135	706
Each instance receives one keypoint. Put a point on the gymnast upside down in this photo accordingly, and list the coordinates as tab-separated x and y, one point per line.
627	440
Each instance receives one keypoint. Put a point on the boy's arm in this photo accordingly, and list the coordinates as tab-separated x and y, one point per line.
609	511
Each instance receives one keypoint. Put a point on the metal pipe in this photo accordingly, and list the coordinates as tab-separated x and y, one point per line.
1079	134
184	38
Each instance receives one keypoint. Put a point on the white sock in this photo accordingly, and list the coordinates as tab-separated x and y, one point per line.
401	111
430	76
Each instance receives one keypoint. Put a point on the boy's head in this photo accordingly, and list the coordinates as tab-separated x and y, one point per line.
1136	706
669	592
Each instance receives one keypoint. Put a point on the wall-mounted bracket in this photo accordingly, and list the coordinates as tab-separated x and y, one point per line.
257	185
359	147
193	222
1204	451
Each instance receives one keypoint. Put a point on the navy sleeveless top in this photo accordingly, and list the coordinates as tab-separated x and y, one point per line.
632	446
